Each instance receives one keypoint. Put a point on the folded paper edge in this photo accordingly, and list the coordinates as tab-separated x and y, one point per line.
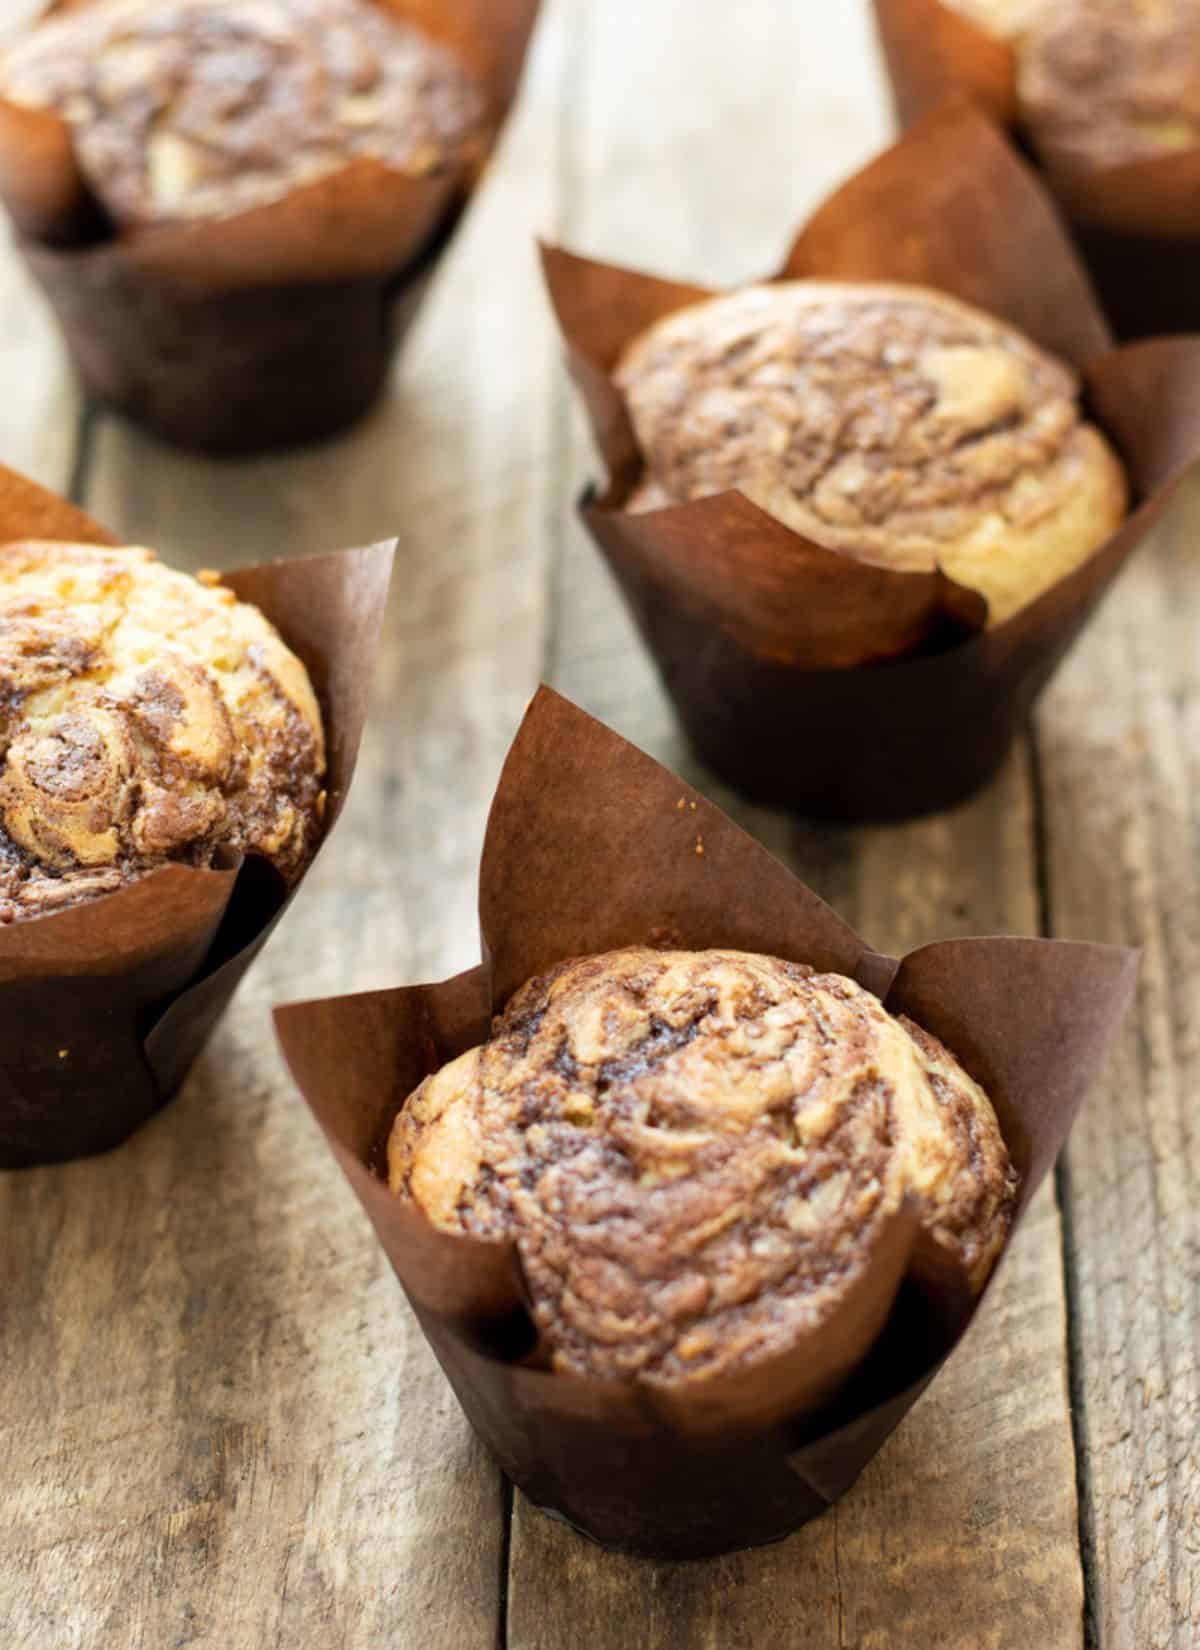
563	268
378	561
918	38
1119	966
1106	197
380	554
948	602
197	251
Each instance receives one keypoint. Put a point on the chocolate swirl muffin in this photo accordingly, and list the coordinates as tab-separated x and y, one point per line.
145	716
695	1153
1105	82
1101	82
185	109
885	422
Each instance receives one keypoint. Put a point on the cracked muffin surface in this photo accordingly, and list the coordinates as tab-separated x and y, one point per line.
886	422
189	108
695	1152
145	716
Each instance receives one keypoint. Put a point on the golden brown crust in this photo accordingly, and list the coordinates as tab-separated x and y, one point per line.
956	1162
886	422
192	108
693	1150
1105	82
145	716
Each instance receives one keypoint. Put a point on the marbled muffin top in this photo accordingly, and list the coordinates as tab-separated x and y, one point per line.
1105	82
184	109
889	422
1101	82
145	716
693	1152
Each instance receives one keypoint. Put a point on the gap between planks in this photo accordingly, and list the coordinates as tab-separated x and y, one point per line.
829	1584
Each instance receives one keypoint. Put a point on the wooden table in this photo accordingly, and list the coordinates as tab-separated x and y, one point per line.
220	1427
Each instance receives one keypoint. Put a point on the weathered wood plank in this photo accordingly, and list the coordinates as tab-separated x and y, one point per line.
221	1427
1120	749
197	1335
963	1532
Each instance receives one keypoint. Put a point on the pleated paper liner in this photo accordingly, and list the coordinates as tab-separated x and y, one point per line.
1137	225
591	846
104	1005
267	327
803	677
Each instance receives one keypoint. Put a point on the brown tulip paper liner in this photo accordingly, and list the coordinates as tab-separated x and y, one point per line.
591	845
263	328
1137	225
804	677
104	1005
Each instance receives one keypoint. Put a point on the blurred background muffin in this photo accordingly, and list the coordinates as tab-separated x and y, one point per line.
892	424
233	206
187	108
1102	96
145	717
1101	83
697	1155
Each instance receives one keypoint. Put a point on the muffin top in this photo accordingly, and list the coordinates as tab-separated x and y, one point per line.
692	1150
1105	82
183	109
888	422
1101	82
145	716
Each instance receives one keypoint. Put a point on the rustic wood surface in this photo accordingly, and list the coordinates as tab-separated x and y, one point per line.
219	1427
1119	749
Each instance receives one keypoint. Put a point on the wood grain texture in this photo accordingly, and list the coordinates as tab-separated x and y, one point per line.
221	1428
974	1500
1120	749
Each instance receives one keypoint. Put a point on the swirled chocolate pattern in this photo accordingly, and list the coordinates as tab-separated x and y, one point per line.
1105	82
189	108
887	422
145	716
693	1151
1101	83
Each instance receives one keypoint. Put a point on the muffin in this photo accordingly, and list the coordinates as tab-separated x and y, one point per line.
647	1149
1102	96
146	718
697	1154
233	206
184	109
889	423
1101	83
890	516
